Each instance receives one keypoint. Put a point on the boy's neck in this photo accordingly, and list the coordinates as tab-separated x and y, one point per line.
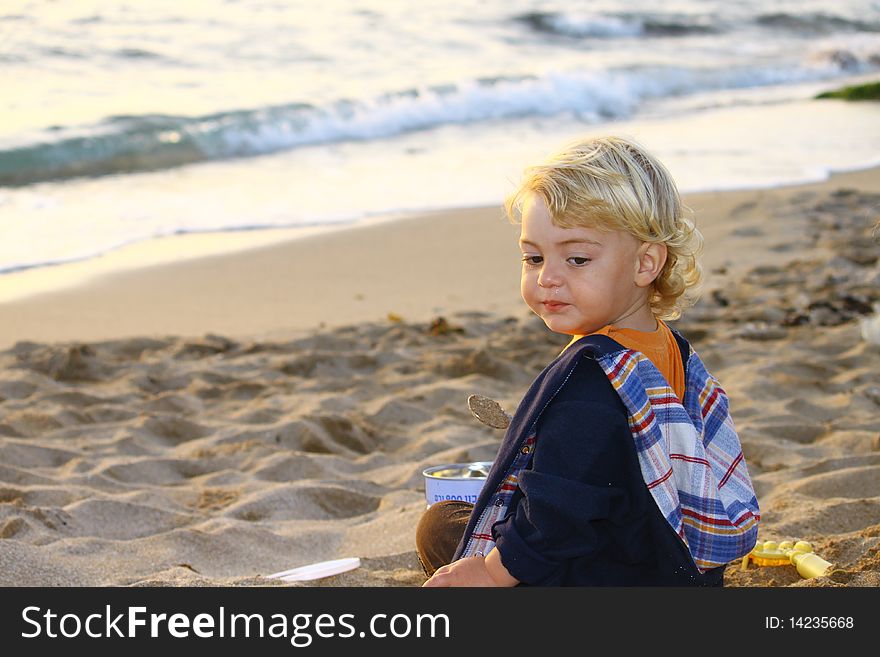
646	324
640	318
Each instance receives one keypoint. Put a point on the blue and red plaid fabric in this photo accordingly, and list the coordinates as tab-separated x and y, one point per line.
481	541
689	455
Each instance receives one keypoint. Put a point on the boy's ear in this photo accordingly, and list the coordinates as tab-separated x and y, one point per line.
651	258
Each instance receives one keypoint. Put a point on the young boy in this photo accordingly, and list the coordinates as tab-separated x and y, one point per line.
621	466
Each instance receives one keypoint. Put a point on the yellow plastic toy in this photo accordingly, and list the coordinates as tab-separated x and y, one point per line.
799	554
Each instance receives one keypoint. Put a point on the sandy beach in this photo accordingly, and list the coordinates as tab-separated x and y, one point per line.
214	419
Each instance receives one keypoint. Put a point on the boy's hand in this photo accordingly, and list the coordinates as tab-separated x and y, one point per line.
464	572
473	571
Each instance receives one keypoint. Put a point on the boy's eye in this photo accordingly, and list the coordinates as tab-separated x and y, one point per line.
532	259
578	260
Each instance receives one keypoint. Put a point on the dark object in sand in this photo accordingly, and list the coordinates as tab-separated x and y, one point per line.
439	326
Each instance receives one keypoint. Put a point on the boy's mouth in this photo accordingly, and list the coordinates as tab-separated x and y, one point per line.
554	306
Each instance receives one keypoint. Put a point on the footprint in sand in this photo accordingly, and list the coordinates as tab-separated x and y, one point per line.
209	345
833	407
11	495
108	415
855	482
174	402
328	365
20	474
479	361
832	464
289	467
246	391
133	348
156	472
811	518
76	363
121	520
7	430
794	431
258	416
394	411
16	389
73	398
30	454
305	501
803	372
328	434
32	423
154	382
173	430
13	526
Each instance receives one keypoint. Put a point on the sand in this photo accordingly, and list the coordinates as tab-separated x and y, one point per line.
214	420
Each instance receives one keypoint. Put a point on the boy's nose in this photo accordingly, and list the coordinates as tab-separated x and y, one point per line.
548	278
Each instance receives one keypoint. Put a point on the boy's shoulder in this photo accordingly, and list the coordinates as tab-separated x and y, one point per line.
595	346
585	379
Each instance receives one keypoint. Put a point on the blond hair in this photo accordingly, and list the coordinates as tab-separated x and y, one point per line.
611	183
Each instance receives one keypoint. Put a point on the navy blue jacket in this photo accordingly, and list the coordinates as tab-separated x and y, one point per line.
582	515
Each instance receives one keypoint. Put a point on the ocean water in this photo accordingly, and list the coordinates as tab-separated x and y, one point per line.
126	120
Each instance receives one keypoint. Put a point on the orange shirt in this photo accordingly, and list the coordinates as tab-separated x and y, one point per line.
659	346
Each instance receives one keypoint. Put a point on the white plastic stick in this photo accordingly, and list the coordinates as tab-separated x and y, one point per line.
317	570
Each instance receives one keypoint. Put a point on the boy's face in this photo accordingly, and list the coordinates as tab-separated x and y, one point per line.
579	279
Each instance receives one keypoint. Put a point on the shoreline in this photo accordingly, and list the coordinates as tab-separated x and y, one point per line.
687	137
413	267
31	280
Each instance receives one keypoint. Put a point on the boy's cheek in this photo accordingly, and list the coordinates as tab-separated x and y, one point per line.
527	292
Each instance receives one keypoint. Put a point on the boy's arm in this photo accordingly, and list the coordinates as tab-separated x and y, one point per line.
474	571
579	477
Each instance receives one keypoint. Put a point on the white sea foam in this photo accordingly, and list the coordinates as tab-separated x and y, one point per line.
151	142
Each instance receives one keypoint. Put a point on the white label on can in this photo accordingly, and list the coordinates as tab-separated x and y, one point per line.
461	498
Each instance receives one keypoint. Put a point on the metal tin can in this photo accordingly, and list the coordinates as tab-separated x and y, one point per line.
455	481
